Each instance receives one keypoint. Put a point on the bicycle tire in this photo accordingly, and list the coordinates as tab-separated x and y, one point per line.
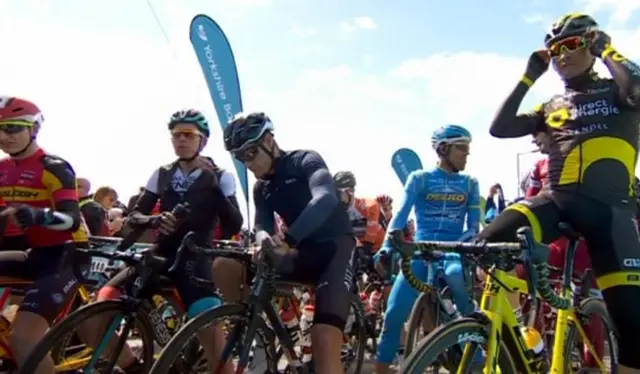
415	322
57	352
445	336
170	352
590	306
74	319
361	331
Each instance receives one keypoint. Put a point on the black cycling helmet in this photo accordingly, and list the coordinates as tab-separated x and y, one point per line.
572	24
344	179
246	128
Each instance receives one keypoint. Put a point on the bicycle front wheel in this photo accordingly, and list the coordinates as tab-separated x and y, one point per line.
236	318
442	347
77	327
422	311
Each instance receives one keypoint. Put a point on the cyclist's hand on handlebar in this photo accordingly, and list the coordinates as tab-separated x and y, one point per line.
167	223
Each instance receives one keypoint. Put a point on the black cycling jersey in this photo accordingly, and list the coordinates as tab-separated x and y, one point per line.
302	192
207	203
200	189
593	128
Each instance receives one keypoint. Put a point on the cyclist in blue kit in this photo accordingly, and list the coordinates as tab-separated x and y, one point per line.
442	200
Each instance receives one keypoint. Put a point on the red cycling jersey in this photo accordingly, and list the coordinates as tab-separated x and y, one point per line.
43	181
538	178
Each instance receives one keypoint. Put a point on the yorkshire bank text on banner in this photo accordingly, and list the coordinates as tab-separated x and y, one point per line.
219	68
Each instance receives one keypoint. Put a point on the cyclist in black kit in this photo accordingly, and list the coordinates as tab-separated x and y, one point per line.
593	128
298	186
193	179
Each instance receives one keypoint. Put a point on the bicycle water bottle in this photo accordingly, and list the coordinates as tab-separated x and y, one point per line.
450	308
535	344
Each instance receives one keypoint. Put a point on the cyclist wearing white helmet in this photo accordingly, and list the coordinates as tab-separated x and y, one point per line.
298	186
442	198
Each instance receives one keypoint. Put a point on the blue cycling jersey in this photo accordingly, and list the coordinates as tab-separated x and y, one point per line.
441	201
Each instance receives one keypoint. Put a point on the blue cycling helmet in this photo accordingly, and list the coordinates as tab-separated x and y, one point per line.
191	116
450	134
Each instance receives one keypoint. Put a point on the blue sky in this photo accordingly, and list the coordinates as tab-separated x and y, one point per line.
354	79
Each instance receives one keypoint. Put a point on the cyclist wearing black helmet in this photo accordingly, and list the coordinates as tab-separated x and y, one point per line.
593	131
297	185
190	179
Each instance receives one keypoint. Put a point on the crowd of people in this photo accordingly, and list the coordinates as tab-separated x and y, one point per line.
590	134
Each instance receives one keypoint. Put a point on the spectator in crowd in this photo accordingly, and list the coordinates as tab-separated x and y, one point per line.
116	221
106	196
95	216
492	207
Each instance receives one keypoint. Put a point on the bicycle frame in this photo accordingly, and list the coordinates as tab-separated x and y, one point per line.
504	325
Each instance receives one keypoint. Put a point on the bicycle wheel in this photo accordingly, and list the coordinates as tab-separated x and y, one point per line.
589	308
354	349
185	336
67	328
444	339
422	308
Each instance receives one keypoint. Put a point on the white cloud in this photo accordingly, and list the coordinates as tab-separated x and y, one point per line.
358	23
112	90
541	19
303	31
621	10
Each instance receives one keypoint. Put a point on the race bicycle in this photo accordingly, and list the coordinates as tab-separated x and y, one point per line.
495	328
103	328
255	320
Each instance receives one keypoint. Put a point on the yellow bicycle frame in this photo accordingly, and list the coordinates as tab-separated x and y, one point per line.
504	326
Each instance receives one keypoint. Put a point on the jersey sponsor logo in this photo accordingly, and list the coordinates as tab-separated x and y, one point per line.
600	107
588	129
631	262
19	193
181	183
449	197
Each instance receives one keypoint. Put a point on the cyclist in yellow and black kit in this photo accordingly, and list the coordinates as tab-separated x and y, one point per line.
593	128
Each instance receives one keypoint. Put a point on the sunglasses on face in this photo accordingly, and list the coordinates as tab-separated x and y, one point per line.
11	127
461	146
567	45
247	154
187	134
